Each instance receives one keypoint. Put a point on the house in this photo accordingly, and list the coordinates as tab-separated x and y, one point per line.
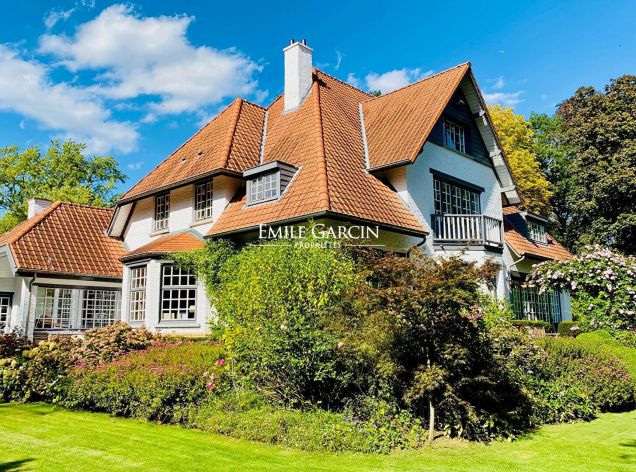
419	167
59	272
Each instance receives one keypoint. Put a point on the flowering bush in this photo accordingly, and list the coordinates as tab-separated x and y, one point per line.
154	384
104	344
603	287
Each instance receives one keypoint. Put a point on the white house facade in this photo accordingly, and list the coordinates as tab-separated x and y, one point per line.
421	166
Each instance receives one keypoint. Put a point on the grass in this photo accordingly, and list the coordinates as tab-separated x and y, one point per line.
42	437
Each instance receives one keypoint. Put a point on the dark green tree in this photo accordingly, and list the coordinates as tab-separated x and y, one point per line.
63	172
600	126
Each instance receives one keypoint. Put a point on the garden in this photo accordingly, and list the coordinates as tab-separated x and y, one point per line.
334	350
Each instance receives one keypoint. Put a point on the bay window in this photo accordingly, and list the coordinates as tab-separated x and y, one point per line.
178	294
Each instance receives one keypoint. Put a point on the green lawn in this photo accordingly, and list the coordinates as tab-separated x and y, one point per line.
41	437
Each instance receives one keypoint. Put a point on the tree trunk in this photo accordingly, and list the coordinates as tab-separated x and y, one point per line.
431	421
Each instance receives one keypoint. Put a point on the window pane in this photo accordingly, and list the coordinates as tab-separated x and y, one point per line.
5	306
53	308
454	136
99	308
454	199
203	201
162	211
265	187
137	309
178	294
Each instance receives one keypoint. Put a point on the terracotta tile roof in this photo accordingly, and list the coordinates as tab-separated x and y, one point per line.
323	138
66	238
230	141
399	122
515	233
175	242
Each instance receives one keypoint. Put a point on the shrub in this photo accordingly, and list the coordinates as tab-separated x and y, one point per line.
12	344
568	329
154	384
602	341
602	285
105	344
277	306
247	415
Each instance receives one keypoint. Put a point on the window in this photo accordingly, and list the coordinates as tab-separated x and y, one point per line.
263	188
454	136
203	201
5	308
453	199
99	308
162	210
529	303
537	233
178	294
53	308
138	293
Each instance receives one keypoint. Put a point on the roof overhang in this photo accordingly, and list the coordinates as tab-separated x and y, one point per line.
269	167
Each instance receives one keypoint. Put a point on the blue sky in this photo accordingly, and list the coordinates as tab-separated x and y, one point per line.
137	79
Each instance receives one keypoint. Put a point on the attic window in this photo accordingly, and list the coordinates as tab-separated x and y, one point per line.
536	232
263	188
454	136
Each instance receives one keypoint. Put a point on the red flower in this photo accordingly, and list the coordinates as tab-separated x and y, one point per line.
211	387
220	362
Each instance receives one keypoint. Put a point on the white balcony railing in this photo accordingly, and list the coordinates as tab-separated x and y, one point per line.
473	229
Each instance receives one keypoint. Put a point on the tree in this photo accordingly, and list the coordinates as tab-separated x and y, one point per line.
601	128
556	157
516	138
63	172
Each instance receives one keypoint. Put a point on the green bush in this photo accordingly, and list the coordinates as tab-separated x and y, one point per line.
247	415
604	342
154	384
105	344
531	324
568	329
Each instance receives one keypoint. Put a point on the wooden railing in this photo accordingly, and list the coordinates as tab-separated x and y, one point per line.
473	229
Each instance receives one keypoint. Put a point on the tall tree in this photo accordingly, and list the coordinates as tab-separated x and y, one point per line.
601	128
63	172
556	157
516	136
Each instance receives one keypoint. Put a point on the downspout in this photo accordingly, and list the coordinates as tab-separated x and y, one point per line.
28	312
408	253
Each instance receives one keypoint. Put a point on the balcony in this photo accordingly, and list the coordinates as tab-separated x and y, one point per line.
467	229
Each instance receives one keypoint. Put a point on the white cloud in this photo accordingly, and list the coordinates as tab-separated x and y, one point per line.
151	56
135	165
54	16
353	80
73	112
394	79
498	83
338	60
506	99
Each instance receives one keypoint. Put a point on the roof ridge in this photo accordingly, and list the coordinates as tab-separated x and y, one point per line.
86	205
232	131
417	82
321	141
317	71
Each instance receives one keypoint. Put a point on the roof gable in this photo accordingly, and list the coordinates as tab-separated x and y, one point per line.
66	238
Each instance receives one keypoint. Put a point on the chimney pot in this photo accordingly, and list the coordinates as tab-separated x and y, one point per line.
37	206
298	73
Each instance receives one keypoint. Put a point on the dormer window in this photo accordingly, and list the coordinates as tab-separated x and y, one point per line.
454	136
536	232
162	211
268	181
263	188
203	201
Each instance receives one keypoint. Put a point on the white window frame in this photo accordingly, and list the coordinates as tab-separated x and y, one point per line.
263	188
203	201
454	136
162	212
455	199
179	288
6	302
537	232
54	308
99	307
137	286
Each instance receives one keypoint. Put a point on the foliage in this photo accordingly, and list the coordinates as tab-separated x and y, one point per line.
276	305
416	327
154	384
377	427
602	285
516	137
556	157
600	127
104	344
606	343
38	373
531	324
63	172
41	372
569	328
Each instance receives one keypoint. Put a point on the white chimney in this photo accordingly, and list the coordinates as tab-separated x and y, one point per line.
38	205
298	70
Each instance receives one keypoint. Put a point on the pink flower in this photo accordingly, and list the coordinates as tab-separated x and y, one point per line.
220	362
211	387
